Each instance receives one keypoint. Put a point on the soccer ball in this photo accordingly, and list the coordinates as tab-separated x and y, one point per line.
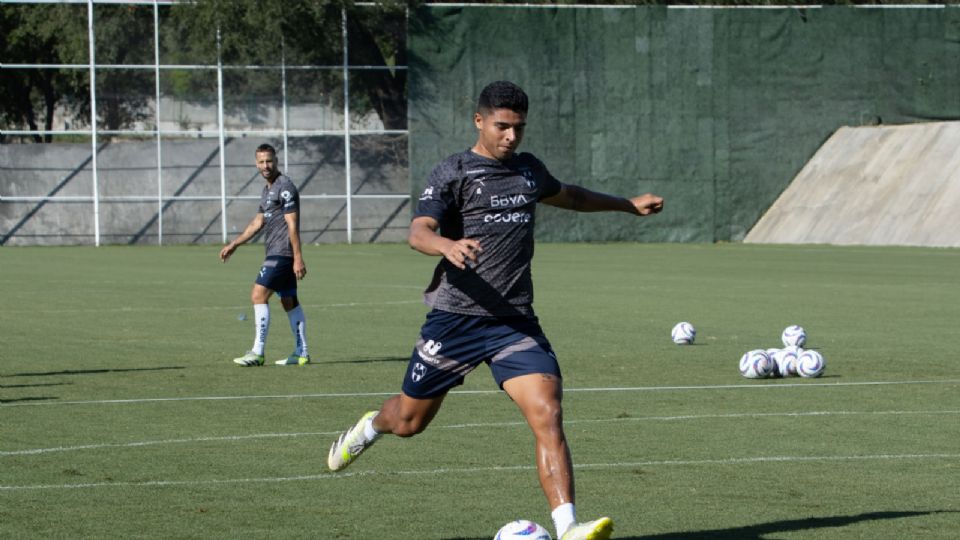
683	333
794	335
522	529
786	361
810	363
756	364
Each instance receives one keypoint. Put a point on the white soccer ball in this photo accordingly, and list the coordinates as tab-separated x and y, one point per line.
786	361
794	335
683	333
522	529
810	363
756	364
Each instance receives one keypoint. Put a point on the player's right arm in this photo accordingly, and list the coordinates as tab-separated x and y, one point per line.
425	238
252	228
581	199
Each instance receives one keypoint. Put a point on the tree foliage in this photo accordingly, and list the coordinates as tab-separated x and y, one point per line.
303	33
251	33
53	34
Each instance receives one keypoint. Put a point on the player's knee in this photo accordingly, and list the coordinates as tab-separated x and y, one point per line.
547	417
259	295
408	427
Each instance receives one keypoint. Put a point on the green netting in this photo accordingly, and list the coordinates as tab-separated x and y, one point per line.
715	109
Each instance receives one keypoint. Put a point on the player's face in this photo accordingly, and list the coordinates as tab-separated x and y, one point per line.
501	131
267	164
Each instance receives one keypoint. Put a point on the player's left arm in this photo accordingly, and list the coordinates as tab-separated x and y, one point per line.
581	199
293	229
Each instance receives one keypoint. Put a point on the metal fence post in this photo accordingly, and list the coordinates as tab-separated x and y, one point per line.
91	36
156	71
346	127
223	164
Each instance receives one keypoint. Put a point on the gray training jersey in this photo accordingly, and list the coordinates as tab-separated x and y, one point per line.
278	199
494	203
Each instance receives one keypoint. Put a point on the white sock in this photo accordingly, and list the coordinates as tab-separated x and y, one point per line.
261	323
563	516
298	325
369	433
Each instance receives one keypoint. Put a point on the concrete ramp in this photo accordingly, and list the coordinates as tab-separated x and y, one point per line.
883	185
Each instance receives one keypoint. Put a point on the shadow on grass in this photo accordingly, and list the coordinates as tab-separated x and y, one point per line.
91	371
31	385
17	400
761	530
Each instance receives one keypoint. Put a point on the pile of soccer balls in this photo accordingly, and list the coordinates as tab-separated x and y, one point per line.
791	360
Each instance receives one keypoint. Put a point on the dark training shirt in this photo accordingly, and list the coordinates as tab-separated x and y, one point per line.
276	200
493	202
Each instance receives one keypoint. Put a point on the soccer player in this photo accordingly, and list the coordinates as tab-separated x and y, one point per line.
477	213
279	218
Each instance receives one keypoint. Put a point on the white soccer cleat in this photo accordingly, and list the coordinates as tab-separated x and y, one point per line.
250	359
599	529
350	445
294	360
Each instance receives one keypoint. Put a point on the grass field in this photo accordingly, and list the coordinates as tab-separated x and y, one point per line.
122	416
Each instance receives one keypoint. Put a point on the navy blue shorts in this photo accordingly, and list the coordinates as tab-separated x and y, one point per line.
277	275
452	345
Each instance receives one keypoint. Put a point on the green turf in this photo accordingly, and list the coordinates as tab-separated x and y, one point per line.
123	417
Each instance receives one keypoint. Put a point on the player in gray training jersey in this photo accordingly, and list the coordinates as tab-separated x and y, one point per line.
494	203
279	218
477	213
277	201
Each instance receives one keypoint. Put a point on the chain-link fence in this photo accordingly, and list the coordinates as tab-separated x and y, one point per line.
122	123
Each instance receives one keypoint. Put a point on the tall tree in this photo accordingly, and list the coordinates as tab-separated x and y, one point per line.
305	32
41	34
58	34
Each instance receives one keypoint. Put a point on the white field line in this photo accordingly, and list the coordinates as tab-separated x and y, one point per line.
149	309
672	418
99	446
471	470
486	392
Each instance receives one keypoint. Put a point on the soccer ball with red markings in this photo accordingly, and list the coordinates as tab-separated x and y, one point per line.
522	529
794	335
810	363
756	364
786	360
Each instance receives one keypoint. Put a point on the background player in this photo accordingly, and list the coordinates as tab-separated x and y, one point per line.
477	212
279	217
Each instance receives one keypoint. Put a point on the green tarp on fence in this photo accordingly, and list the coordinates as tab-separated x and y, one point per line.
715	109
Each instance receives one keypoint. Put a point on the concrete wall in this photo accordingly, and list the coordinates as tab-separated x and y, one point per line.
884	185
129	212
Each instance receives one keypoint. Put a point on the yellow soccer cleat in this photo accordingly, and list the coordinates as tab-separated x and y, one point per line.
250	359
599	529
350	444
294	360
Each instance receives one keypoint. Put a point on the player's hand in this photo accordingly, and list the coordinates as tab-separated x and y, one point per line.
226	252
647	204
299	269
463	252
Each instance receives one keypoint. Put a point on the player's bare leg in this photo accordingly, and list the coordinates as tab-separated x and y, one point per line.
405	416
400	415
539	398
